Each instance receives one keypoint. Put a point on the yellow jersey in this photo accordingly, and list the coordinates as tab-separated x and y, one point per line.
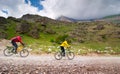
65	44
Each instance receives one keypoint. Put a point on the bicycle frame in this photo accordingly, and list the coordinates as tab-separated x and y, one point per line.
68	53
20	48
22	51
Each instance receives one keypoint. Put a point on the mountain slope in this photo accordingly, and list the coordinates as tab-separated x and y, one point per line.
42	31
66	19
111	18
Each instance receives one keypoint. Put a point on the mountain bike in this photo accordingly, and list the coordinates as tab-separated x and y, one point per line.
9	51
70	54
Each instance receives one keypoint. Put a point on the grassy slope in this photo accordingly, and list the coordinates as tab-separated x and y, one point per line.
112	16
44	44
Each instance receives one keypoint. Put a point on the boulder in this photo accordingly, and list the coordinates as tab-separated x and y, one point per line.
50	31
23	28
3	35
34	33
99	27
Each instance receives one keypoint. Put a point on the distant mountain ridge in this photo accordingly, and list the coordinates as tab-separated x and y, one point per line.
111	16
106	18
67	19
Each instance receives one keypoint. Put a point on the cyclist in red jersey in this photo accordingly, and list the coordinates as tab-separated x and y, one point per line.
14	41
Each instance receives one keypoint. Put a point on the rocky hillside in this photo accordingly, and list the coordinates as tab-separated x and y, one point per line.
111	18
35	26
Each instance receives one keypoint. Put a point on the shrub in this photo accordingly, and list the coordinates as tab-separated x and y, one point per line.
61	38
52	40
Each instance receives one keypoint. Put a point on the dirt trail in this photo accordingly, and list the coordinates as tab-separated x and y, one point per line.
46	64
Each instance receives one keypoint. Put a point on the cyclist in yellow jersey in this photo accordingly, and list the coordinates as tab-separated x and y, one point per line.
63	46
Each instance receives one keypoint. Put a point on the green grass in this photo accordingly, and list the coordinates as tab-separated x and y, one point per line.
96	47
111	16
46	41
42	44
11	29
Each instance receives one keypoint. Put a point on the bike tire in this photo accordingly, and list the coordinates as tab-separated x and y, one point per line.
24	53
70	55
8	52
58	55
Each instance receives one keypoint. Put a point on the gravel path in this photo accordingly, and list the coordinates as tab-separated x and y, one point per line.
46	64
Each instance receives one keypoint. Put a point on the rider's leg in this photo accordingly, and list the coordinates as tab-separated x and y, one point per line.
63	50
15	46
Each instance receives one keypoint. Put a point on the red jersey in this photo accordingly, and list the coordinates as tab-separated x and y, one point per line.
17	39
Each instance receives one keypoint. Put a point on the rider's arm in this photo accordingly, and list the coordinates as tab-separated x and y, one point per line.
67	45
21	42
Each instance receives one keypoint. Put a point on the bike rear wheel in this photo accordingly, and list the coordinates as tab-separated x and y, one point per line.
70	55
8	52
24	53
58	55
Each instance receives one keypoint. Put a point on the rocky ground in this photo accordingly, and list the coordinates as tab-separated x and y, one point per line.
47	64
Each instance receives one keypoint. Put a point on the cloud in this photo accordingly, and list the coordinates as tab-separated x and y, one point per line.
3	14
77	9
81	9
16	8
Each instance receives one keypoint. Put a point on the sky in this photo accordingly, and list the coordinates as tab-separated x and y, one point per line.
76	9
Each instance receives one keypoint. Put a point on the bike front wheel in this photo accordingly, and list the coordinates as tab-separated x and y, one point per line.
8	52
24	53
70	55
58	56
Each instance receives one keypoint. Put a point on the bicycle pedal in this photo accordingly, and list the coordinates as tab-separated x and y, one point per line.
63	55
15	52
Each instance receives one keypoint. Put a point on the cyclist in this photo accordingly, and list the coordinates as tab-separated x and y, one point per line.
14	41
63	46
